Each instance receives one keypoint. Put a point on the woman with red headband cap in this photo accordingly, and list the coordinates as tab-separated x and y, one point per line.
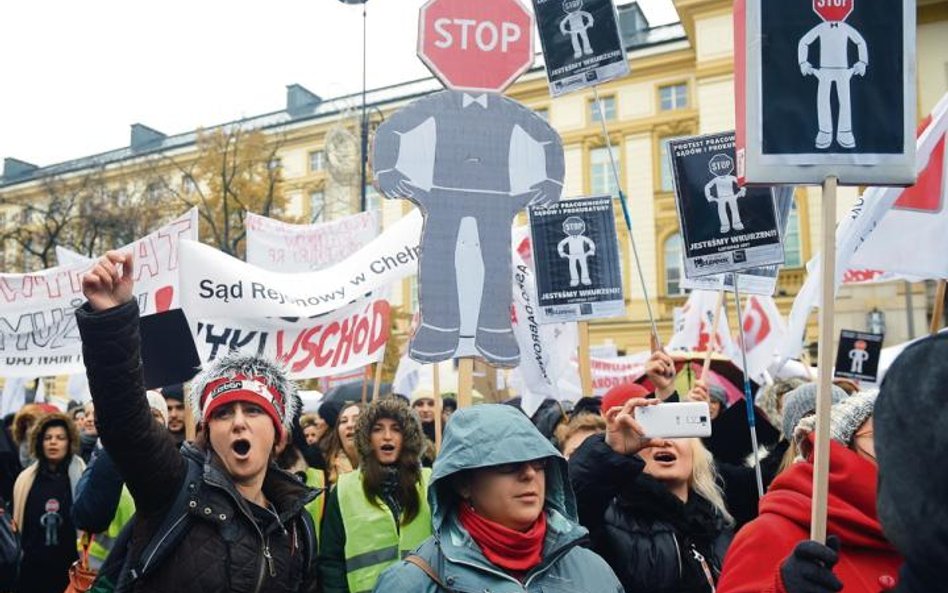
218	516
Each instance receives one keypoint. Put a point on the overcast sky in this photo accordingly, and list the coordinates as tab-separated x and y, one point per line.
76	75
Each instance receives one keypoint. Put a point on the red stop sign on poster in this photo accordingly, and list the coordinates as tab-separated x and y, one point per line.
833	10
476	45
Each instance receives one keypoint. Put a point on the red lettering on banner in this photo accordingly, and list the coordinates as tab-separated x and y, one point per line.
322	354
381	316
856	276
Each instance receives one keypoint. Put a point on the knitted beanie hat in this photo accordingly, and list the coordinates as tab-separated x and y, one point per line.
802	401
246	378
716	392
157	402
845	419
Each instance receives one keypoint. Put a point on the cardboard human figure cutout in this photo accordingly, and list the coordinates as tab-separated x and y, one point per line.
470	163
833	37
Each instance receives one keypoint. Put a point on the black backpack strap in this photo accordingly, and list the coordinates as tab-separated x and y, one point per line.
172	530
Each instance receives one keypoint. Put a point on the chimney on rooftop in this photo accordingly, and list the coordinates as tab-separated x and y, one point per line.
144	137
300	101
16	169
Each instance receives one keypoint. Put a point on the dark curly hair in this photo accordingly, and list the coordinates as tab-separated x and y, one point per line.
409	459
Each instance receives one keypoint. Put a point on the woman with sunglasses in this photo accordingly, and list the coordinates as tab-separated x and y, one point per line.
772	552
503	515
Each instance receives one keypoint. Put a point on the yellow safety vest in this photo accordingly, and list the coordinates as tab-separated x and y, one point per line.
373	540
317	479
102	542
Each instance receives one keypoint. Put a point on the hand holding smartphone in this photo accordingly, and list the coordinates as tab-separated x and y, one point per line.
675	420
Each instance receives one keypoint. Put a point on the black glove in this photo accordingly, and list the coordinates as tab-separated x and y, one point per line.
809	569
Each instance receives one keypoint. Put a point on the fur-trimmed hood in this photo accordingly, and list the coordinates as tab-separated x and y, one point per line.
21	422
395	408
57	418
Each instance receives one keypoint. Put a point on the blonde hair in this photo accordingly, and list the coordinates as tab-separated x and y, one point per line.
590	423
704	478
308	420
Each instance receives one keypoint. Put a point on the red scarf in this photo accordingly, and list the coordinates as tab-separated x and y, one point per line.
514	551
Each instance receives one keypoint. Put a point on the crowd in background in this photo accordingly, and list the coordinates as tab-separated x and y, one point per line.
356	497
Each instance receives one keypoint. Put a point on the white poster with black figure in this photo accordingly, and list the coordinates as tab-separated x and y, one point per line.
576	256
826	87
582	44
760	281
725	227
858	355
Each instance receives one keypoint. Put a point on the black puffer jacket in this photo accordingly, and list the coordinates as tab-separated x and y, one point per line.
228	541
651	539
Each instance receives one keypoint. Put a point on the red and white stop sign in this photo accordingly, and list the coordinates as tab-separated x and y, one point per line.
476	45
833	10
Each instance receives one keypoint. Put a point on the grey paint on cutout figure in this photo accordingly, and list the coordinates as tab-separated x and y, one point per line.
470	163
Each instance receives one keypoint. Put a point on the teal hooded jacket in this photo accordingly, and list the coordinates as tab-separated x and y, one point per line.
482	436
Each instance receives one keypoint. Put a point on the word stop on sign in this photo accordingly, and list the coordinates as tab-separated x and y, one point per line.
486	35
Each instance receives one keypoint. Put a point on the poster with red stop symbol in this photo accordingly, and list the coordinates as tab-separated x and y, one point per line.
825	88
858	355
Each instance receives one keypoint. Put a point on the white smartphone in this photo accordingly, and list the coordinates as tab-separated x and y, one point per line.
675	420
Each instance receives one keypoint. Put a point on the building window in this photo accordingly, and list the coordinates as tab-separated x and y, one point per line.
664	163
317	160
673	96
673	265
601	179
543	112
608	109
317	206
792	248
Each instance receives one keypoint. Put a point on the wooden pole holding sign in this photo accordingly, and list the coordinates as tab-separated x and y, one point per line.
585	363
939	310
365	385
465	382
436	387
714	332
377	385
824	400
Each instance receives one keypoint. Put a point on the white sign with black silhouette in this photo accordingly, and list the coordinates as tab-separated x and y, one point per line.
576	256
759	281
829	89
724	227
858	355
582	44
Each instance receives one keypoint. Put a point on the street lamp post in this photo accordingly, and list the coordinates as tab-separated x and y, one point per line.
364	128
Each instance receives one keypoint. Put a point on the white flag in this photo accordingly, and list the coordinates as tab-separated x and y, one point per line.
695	334
764	329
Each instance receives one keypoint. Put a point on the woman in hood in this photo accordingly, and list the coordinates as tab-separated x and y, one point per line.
773	553
377	513
652	505
42	504
503	515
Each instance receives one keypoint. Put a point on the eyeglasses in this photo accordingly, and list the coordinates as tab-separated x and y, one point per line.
538	465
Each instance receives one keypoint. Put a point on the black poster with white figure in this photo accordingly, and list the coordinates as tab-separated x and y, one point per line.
724	227
830	84
858	355
582	45
576	256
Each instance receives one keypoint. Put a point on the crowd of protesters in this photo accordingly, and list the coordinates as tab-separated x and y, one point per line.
360	497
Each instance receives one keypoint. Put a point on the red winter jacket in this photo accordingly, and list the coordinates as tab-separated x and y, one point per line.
867	562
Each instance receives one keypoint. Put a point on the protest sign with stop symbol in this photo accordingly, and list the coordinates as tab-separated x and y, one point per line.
480	46
833	11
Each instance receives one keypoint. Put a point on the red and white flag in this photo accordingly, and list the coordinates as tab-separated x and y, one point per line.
694	334
764	329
